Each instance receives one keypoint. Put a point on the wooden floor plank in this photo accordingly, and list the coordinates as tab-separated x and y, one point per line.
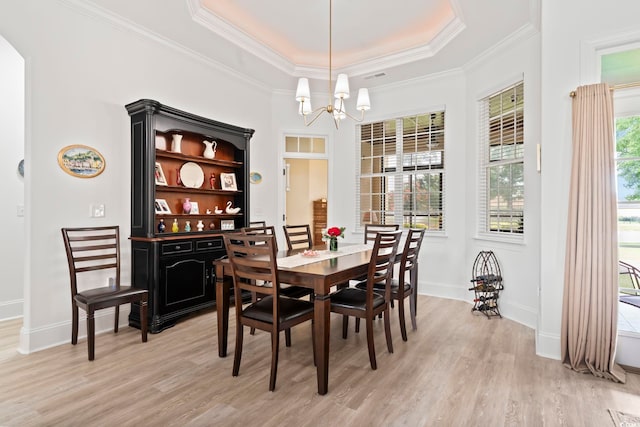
458	368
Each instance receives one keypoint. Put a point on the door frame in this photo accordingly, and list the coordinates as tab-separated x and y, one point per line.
284	155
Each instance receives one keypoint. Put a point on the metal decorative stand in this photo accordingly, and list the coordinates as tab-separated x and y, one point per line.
487	284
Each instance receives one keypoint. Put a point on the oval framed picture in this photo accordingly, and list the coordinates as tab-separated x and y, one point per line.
81	161
255	177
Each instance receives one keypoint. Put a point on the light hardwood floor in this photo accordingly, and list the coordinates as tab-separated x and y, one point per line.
457	369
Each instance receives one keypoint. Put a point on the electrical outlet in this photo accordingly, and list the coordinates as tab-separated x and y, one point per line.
20	210
97	211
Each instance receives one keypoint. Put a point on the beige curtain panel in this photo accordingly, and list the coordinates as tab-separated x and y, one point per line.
590	305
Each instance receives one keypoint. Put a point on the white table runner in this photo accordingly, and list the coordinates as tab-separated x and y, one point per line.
298	259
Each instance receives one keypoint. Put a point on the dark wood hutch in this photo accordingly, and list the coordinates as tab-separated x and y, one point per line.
176	266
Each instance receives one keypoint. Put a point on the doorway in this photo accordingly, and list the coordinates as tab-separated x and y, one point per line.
12	171
305	189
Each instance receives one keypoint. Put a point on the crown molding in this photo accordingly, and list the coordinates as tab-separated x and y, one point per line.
91	9
243	40
523	33
444	37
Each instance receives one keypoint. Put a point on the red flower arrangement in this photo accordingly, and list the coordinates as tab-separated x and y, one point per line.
334	232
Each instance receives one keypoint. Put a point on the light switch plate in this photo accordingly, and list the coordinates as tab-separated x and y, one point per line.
97	211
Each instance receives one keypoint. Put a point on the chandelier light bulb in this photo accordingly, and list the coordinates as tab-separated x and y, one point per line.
338	110
305	107
363	103
303	93
342	86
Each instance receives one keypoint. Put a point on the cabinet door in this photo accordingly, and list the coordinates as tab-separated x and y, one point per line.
185	282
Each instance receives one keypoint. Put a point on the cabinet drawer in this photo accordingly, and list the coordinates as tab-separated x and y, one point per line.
176	248
209	244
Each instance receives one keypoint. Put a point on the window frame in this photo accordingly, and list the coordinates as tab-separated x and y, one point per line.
418	164
485	165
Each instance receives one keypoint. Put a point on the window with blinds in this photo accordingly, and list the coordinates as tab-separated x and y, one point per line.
401	172
501	181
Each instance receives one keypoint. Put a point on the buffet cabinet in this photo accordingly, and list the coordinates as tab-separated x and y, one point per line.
189	185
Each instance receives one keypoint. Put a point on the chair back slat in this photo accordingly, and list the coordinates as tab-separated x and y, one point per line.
91	249
253	260
370	230
409	258
262	230
298	236
381	265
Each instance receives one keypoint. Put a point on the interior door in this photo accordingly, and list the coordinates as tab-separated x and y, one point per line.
305	181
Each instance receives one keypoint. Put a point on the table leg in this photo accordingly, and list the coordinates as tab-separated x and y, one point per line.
322	313
222	310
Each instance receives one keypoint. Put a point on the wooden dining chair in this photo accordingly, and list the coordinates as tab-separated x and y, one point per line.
370	230
287	290
367	303
91	249
400	287
298	236
253	260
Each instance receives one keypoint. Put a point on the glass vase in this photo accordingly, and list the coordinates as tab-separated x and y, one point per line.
333	244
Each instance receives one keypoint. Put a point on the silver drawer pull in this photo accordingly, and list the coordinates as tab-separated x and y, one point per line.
178	247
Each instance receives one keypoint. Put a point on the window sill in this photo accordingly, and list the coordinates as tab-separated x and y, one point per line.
513	240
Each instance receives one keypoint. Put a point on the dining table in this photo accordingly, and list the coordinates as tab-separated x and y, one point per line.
321	271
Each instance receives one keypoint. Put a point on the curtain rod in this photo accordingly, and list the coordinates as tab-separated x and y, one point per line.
614	87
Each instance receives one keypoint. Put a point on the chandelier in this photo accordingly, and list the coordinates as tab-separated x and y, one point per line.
337	109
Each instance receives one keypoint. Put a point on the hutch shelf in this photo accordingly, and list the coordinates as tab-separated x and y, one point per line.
168	166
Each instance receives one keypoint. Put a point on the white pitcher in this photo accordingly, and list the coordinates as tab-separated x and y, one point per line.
210	149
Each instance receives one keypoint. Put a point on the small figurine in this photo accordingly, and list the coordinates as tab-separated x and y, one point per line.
175	227
186	206
161	226
231	210
187	226
212	226
217	211
200	225
212	181
208	211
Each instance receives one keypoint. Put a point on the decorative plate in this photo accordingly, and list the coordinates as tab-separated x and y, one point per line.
81	161
191	175
255	177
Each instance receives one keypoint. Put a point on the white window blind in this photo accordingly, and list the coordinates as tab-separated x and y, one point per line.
401	172
501	180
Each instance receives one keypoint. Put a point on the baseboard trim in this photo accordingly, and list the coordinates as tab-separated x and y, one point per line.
11	309
526	316
631	369
548	345
53	335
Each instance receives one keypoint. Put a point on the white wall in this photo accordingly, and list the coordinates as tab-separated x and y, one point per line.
570	30
12	146
82	70
519	59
